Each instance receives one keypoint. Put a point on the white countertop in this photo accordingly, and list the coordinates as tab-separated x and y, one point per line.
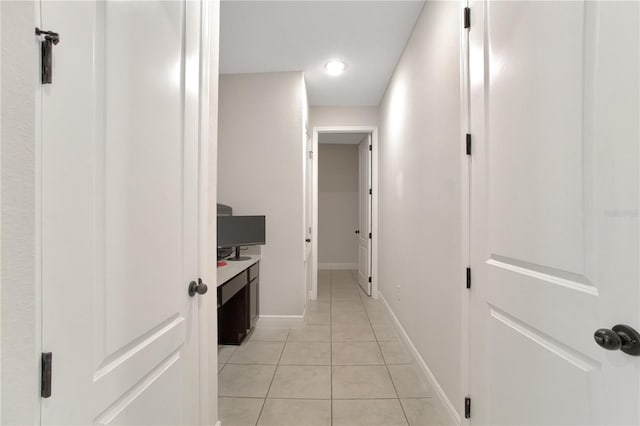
231	269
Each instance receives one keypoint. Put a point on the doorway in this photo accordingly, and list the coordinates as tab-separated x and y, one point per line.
344	203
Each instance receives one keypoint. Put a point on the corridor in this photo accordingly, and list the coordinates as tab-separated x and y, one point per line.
345	366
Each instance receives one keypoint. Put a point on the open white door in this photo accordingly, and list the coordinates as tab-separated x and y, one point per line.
554	122
120	212
308	217
364	216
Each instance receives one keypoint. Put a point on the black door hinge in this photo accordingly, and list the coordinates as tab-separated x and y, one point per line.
45	375
46	54
369	235
468	144
370	147
467	408
468	277
467	17
369	279
369	191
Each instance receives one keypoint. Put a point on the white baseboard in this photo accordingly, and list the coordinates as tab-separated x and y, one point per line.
337	266
218	423
442	396
281	321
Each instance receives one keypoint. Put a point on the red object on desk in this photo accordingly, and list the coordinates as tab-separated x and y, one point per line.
222	263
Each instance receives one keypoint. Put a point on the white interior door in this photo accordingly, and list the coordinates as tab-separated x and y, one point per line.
119	212
364	216
308	212
554	121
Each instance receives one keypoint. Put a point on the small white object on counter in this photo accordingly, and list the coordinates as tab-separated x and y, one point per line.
232	268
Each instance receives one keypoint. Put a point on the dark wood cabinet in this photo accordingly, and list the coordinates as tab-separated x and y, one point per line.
238	306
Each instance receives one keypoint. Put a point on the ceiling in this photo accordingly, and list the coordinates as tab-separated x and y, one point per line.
341	138
271	36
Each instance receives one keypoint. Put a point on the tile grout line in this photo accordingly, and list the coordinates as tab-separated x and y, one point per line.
264	402
406	418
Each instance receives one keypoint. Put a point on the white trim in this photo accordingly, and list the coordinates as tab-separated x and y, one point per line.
218	423
280	321
465	190
313	293
447	406
337	266
374	201
208	353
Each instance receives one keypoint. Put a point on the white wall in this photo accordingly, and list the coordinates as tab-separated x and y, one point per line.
20	363
337	205
420	261
343	116
260	171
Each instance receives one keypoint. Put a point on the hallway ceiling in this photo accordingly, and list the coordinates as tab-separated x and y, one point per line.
271	36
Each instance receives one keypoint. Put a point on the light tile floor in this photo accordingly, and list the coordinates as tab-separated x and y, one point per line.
346	366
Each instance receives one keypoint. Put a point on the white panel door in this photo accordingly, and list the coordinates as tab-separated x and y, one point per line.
554	120
364	215
119	212
308	212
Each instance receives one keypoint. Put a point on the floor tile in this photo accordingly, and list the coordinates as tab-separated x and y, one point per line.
347	305
349	317
324	276
352	333
372	412
304	382
225	352
324	294
310	333
385	333
424	412
345	294
379	318
373	306
361	382
317	318
239	411
257	353
266	334
306	353
250	381
408	381
296	412
220	367
323	297
316	306
356	353
395	353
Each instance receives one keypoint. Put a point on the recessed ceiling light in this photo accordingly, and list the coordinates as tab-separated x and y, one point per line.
335	67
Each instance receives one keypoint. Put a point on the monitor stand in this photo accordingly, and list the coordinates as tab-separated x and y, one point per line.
237	257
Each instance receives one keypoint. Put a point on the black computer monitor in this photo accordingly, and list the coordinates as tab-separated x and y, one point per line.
238	231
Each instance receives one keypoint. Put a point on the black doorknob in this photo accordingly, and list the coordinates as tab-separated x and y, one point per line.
620	337
308	240
357	231
197	287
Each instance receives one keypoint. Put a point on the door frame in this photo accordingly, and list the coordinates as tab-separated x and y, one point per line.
207	200
207	146
373	130
465	192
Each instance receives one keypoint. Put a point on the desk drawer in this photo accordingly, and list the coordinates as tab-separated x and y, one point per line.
254	270
231	287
